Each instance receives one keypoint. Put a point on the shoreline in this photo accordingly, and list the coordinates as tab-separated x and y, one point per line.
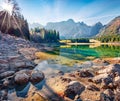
17	68
93	44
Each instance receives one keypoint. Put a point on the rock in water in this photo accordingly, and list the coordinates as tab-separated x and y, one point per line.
36	76
21	78
74	88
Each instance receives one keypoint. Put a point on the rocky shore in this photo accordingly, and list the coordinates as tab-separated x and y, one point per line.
99	82
17	63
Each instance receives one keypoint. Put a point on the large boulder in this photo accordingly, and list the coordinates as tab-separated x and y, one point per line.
21	78
72	89
24	76
36	76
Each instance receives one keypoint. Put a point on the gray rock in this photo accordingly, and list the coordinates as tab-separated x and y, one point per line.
104	97
3	95
105	82
21	78
36	76
110	69
6	74
26	71
86	64
109	92
74	88
100	62
84	73
102	77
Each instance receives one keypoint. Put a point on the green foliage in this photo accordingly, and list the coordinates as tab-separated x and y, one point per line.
17	26
44	36
109	38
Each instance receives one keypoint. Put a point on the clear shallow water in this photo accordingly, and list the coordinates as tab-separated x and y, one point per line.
69	58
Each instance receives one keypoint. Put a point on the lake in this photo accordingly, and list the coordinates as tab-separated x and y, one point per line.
69	58
77	53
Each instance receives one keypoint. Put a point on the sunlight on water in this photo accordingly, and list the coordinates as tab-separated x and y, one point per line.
71	55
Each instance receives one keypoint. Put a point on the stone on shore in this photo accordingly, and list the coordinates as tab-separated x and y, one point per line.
21	78
6	74
98	79
92	88
73	88
24	76
110	69
3	95
84	73
36	76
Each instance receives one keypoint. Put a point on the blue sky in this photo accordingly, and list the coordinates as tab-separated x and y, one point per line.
88	11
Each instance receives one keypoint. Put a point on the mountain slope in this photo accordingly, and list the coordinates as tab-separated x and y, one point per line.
111	28
34	25
96	28
70	29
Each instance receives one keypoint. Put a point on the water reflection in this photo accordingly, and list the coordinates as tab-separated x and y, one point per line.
22	91
40	85
82	52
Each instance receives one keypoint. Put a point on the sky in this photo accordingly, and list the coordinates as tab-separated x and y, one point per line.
87	11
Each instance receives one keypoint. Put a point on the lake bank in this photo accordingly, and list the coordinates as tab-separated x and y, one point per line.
90	83
93	44
18	72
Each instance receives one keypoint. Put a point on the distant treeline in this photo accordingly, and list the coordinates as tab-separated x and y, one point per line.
80	40
41	35
109	38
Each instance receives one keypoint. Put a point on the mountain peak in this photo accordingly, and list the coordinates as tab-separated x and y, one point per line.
70	20
98	23
70	29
